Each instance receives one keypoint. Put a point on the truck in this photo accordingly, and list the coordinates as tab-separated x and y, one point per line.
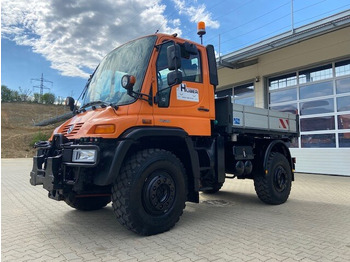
150	135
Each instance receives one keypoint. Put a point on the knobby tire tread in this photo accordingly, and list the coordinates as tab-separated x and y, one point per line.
120	198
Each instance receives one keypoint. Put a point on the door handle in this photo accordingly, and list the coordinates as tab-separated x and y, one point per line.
203	109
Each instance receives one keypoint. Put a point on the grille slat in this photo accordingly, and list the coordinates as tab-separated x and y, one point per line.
75	130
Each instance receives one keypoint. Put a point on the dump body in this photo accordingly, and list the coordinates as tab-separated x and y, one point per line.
260	119
235	119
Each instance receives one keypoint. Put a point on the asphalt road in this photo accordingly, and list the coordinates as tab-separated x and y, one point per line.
232	225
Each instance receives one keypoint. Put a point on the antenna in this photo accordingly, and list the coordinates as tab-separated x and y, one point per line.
41	86
201	30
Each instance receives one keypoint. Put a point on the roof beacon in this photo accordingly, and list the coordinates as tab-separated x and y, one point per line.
201	30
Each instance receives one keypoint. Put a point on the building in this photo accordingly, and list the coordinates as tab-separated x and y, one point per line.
306	70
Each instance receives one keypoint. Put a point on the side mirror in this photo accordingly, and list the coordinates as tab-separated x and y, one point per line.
188	50
174	78
128	82
174	57
70	102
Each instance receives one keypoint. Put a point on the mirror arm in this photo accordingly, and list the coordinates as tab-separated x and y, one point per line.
140	96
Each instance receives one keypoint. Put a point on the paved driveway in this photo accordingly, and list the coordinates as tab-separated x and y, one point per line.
232	225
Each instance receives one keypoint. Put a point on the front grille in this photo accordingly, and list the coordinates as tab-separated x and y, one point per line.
73	131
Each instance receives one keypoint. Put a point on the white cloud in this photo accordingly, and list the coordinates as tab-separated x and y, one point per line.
196	13
74	35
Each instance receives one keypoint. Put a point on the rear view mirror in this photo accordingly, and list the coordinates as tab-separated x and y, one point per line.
188	50
174	57
70	102
174	78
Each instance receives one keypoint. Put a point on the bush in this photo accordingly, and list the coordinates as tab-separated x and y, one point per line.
40	136
48	98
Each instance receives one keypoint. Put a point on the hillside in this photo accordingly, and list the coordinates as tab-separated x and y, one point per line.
18	130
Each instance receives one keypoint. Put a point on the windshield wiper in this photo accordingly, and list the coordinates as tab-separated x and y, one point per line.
93	103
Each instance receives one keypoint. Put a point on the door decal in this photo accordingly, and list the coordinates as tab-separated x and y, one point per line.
186	93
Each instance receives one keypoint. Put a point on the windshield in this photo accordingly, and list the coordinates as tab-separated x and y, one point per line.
132	59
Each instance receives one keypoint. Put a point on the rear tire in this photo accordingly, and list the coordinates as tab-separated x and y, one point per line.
275	186
87	203
150	192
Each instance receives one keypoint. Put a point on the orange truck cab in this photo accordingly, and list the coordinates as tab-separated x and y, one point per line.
149	135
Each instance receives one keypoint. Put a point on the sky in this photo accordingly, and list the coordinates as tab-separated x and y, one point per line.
64	40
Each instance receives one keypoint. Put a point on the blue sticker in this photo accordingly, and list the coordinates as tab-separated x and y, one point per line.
236	121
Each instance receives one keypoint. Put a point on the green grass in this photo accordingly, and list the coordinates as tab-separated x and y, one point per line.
40	136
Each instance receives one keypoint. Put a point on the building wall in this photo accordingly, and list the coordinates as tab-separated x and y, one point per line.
317	51
321	49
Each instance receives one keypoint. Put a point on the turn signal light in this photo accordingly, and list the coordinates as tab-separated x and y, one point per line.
105	129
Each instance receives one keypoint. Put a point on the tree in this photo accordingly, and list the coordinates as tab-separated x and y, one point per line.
6	94
15	96
24	94
48	98
37	98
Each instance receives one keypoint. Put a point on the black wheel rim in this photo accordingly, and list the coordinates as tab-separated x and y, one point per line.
280	179
159	193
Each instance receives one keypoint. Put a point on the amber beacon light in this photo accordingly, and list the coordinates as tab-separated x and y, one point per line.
201	30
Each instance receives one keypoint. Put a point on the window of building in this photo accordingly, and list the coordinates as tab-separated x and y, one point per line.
226	92
318	140
283	95
342	68
344	140
317	123
321	95
317	107
244	94
344	121
343	85
315	74
282	81
315	90
343	103
290	108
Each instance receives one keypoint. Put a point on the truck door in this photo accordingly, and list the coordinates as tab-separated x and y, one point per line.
185	105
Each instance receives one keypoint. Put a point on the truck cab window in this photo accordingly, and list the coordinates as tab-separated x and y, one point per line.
190	69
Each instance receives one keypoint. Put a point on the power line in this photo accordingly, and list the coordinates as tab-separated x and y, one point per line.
225	14
229	30
274	21
41	86
285	27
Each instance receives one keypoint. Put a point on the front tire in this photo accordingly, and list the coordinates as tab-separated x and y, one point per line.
87	203
150	192
275	186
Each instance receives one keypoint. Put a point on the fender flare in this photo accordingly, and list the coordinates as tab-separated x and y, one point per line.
282	148
132	136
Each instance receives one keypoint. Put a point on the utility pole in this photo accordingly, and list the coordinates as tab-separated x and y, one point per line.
41	86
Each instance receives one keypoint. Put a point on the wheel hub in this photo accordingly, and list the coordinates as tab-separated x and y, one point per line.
280	179
159	193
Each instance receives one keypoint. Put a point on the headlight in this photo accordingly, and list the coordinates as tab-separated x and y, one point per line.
84	155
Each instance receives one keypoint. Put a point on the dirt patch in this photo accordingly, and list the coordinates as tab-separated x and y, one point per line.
17	126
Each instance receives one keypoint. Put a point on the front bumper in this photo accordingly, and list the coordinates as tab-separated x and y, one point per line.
53	166
45	176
